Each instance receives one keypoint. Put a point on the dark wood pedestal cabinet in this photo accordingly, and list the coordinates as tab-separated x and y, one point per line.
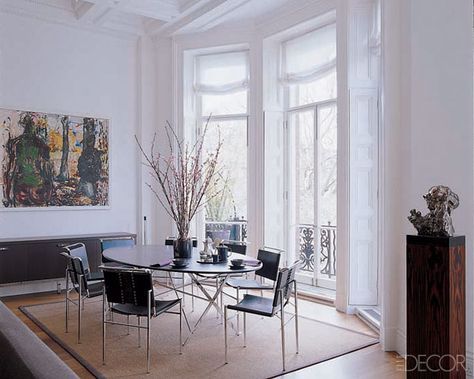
37	258
436	307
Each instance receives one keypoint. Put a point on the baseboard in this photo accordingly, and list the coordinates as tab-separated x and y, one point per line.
401	342
469	362
37	286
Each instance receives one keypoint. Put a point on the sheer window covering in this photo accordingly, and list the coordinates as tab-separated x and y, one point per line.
222	73
310	56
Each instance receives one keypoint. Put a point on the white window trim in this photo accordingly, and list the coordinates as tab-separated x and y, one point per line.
285	82
200	222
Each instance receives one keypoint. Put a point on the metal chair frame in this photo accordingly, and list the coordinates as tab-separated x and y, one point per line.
79	283
107	310
261	279
282	295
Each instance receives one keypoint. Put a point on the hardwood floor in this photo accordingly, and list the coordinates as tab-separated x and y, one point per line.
368	363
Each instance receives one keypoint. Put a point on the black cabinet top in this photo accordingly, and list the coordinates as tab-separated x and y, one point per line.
439	241
76	237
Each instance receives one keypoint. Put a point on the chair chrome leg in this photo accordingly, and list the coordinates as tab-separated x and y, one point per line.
217	300
148	343
181	327
222	299
225	334
79	309
67	301
238	313
192	295
139	345
103	325
296	320
282	319
245	329
148	318
182	282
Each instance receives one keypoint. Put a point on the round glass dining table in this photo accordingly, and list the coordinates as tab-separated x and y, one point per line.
159	258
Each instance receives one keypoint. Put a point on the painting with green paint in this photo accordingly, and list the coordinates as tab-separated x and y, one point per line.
53	160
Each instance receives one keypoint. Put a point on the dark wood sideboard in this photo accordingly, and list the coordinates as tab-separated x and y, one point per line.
436	307
28	259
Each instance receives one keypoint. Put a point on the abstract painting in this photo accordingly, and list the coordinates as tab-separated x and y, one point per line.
53	160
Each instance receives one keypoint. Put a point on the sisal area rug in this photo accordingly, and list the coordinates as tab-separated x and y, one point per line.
203	354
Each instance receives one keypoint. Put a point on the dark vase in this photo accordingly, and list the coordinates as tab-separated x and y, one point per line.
183	248
223	253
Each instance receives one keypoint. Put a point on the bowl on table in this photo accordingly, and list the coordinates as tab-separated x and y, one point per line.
237	262
180	262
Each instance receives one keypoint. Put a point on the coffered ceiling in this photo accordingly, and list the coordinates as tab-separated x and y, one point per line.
153	17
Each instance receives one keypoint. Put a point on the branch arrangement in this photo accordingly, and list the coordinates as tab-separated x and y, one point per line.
186	179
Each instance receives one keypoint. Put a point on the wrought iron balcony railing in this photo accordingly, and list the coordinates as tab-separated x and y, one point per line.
237	231
326	245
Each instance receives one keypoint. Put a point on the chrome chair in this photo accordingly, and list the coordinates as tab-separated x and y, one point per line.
269	307
114	242
129	292
169	241
239	247
86	288
270	258
79	250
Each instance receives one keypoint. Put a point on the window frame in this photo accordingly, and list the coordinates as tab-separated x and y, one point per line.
202	119
288	111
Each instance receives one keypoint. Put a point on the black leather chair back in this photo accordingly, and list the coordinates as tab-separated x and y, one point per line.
79	250
237	247
271	261
169	241
75	268
283	287
128	286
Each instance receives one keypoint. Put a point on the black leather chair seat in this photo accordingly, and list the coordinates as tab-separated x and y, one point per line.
254	304
95	276
129	309
247	284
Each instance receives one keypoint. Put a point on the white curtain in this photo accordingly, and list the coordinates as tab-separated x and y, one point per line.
221	73
310	56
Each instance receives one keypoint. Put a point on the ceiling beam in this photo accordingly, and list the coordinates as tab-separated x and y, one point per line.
201	12
95	12
215	18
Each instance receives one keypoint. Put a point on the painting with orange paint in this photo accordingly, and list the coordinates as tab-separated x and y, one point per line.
53	160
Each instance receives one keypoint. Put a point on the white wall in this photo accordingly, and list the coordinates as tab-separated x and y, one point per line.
428	127
156	104
55	68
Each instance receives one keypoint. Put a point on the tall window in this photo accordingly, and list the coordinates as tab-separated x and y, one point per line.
221	89
309	79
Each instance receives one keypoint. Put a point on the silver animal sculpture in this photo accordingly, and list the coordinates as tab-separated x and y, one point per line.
438	223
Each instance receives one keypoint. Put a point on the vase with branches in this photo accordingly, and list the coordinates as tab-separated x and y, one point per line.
183	181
